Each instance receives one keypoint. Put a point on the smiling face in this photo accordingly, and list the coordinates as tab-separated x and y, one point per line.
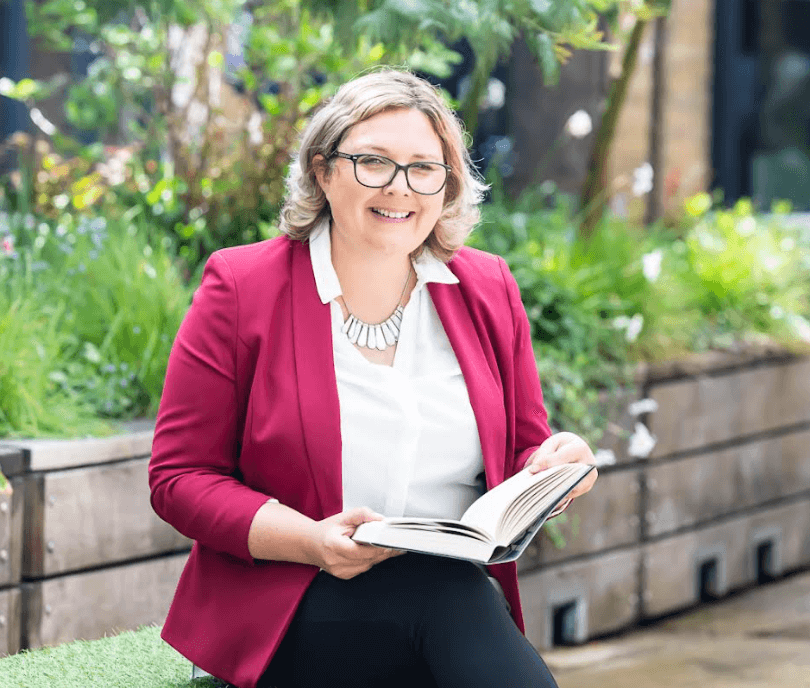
392	219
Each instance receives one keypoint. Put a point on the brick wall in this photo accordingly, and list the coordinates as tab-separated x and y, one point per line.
687	101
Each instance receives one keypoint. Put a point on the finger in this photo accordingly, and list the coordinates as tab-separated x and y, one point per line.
561	455
358	515
546	450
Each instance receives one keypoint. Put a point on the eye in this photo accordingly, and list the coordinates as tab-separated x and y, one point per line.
372	161
424	168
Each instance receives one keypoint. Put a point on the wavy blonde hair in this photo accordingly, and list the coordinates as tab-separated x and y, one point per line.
356	101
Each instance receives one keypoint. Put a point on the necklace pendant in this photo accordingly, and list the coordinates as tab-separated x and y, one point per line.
379	336
362	338
382	345
388	334
347	325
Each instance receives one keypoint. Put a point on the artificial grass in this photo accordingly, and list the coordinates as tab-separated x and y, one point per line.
132	659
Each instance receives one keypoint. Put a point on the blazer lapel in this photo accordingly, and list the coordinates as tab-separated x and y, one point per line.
317	385
485	391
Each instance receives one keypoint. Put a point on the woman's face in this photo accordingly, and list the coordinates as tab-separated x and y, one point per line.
358	212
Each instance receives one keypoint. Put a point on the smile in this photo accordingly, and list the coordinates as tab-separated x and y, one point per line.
391	214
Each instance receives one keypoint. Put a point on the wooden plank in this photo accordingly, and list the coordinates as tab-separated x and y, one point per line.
604	590
701	488
11	533
47	455
93	604
95	516
606	517
672	564
9	621
711	409
12	460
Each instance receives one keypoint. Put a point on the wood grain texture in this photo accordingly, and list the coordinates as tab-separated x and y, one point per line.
94	516
48	455
11	533
105	602
604	587
9	621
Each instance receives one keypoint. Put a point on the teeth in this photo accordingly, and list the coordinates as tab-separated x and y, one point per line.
386	213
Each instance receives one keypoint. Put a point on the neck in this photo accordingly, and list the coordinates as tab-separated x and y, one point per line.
372	284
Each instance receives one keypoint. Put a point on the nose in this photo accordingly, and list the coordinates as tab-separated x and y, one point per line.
399	182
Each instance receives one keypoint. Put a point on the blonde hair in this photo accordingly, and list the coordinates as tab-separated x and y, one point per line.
358	100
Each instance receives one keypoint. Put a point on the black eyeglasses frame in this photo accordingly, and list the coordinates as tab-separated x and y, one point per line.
397	167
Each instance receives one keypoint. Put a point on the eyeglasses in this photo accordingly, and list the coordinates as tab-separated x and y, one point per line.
377	171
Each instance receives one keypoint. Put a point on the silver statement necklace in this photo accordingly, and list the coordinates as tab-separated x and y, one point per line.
379	336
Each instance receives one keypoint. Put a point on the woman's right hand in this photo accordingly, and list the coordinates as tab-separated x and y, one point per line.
339	555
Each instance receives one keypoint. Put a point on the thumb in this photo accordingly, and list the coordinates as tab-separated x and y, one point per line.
358	515
547	448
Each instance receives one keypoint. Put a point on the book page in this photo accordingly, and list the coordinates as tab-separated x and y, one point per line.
532	506
487	511
457	545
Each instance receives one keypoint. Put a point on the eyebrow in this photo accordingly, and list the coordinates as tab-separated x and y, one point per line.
387	153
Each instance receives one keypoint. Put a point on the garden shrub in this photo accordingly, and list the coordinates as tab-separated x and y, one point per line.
90	312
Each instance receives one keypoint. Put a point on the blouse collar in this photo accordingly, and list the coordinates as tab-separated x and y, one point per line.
428	268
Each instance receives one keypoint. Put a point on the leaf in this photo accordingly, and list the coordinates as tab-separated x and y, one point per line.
544	50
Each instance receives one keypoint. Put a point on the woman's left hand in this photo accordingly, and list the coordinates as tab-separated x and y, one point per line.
564	447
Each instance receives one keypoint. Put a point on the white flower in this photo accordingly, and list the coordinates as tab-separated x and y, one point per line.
6	86
787	244
254	127
777	312
631	326
771	262
642	406
496	95
40	120
604	457
641	442
651	264
642	179
746	227
800	326
579	125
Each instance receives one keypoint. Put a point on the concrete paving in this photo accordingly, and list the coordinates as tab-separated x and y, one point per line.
759	638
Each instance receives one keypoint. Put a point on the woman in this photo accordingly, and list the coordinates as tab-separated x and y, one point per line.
363	364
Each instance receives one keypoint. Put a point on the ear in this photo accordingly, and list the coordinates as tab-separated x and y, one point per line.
321	173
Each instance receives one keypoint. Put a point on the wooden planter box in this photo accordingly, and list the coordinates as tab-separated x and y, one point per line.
722	501
87	556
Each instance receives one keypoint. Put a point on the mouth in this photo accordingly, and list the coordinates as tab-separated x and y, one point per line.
392	214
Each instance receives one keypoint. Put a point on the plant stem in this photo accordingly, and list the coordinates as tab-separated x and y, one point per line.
593	197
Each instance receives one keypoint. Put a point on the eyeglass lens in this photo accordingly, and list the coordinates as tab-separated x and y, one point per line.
422	177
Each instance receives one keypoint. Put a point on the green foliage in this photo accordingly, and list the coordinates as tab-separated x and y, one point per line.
571	299
627	294
741	274
90	309
550	29
200	158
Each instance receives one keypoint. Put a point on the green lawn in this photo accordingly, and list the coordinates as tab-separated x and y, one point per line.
133	659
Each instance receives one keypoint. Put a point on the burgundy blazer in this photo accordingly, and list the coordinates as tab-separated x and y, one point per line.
250	411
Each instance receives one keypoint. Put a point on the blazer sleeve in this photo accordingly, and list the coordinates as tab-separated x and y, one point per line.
194	453
531	420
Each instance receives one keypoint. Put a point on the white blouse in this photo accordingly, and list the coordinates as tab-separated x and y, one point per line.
410	439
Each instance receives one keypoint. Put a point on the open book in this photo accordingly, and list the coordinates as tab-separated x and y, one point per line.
495	529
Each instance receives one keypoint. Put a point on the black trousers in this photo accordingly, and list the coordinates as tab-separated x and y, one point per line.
412	621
